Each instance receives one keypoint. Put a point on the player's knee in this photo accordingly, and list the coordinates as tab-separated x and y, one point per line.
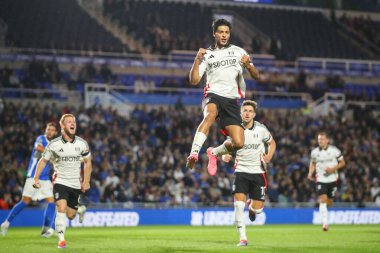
70	216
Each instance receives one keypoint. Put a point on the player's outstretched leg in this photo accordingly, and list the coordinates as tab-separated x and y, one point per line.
212	166
49	217
324	213
13	213
60	227
240	222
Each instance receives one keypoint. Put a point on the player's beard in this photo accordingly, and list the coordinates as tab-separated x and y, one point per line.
67	132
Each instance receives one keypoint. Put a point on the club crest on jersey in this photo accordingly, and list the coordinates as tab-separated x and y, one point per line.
231	52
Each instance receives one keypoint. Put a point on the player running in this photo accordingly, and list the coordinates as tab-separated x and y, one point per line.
222	64
45	192
66	152
250	168
326	160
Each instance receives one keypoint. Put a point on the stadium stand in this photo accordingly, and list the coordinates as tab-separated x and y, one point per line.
366	27
43	74
46	24
301	33
163	26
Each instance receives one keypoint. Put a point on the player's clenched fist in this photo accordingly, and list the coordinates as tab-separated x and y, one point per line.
36	184
245	60
201	53
85	187
226	158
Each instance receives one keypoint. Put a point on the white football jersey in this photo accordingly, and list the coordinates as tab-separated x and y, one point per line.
326	158
67	158
249	159
224	71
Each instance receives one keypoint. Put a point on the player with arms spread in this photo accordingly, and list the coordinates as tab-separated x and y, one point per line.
45	192
66	152
223	64
250	168
326	160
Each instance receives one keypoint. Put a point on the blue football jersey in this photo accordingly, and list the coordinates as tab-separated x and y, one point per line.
35	157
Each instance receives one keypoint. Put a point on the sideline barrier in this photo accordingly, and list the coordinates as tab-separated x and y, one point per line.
202	217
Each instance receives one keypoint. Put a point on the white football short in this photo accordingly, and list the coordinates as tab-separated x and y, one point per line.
45	191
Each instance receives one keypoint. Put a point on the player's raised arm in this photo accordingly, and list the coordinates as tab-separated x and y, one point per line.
253	71
40	166
87	173
195	76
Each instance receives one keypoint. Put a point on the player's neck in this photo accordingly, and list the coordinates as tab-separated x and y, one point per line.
220	46
67	138
248	124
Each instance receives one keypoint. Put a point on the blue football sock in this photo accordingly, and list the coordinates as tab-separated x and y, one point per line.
49	214
16	210
52	223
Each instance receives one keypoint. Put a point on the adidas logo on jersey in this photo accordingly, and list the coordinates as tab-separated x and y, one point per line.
61	150
211	56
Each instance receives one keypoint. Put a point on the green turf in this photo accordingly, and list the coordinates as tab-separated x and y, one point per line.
268	238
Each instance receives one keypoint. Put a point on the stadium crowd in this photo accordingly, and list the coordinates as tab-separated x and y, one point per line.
142	159
42	74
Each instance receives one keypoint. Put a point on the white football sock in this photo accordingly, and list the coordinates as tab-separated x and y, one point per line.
60	225
198	141
323	212
220	150
239	219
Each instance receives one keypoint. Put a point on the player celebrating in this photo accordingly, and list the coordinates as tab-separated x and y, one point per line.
326	160
45	192
66	152
250	168
223	64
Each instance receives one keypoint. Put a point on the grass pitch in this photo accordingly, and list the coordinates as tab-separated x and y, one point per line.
268	238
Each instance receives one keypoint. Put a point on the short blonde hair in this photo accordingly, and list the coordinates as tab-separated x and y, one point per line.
64	116
251	103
